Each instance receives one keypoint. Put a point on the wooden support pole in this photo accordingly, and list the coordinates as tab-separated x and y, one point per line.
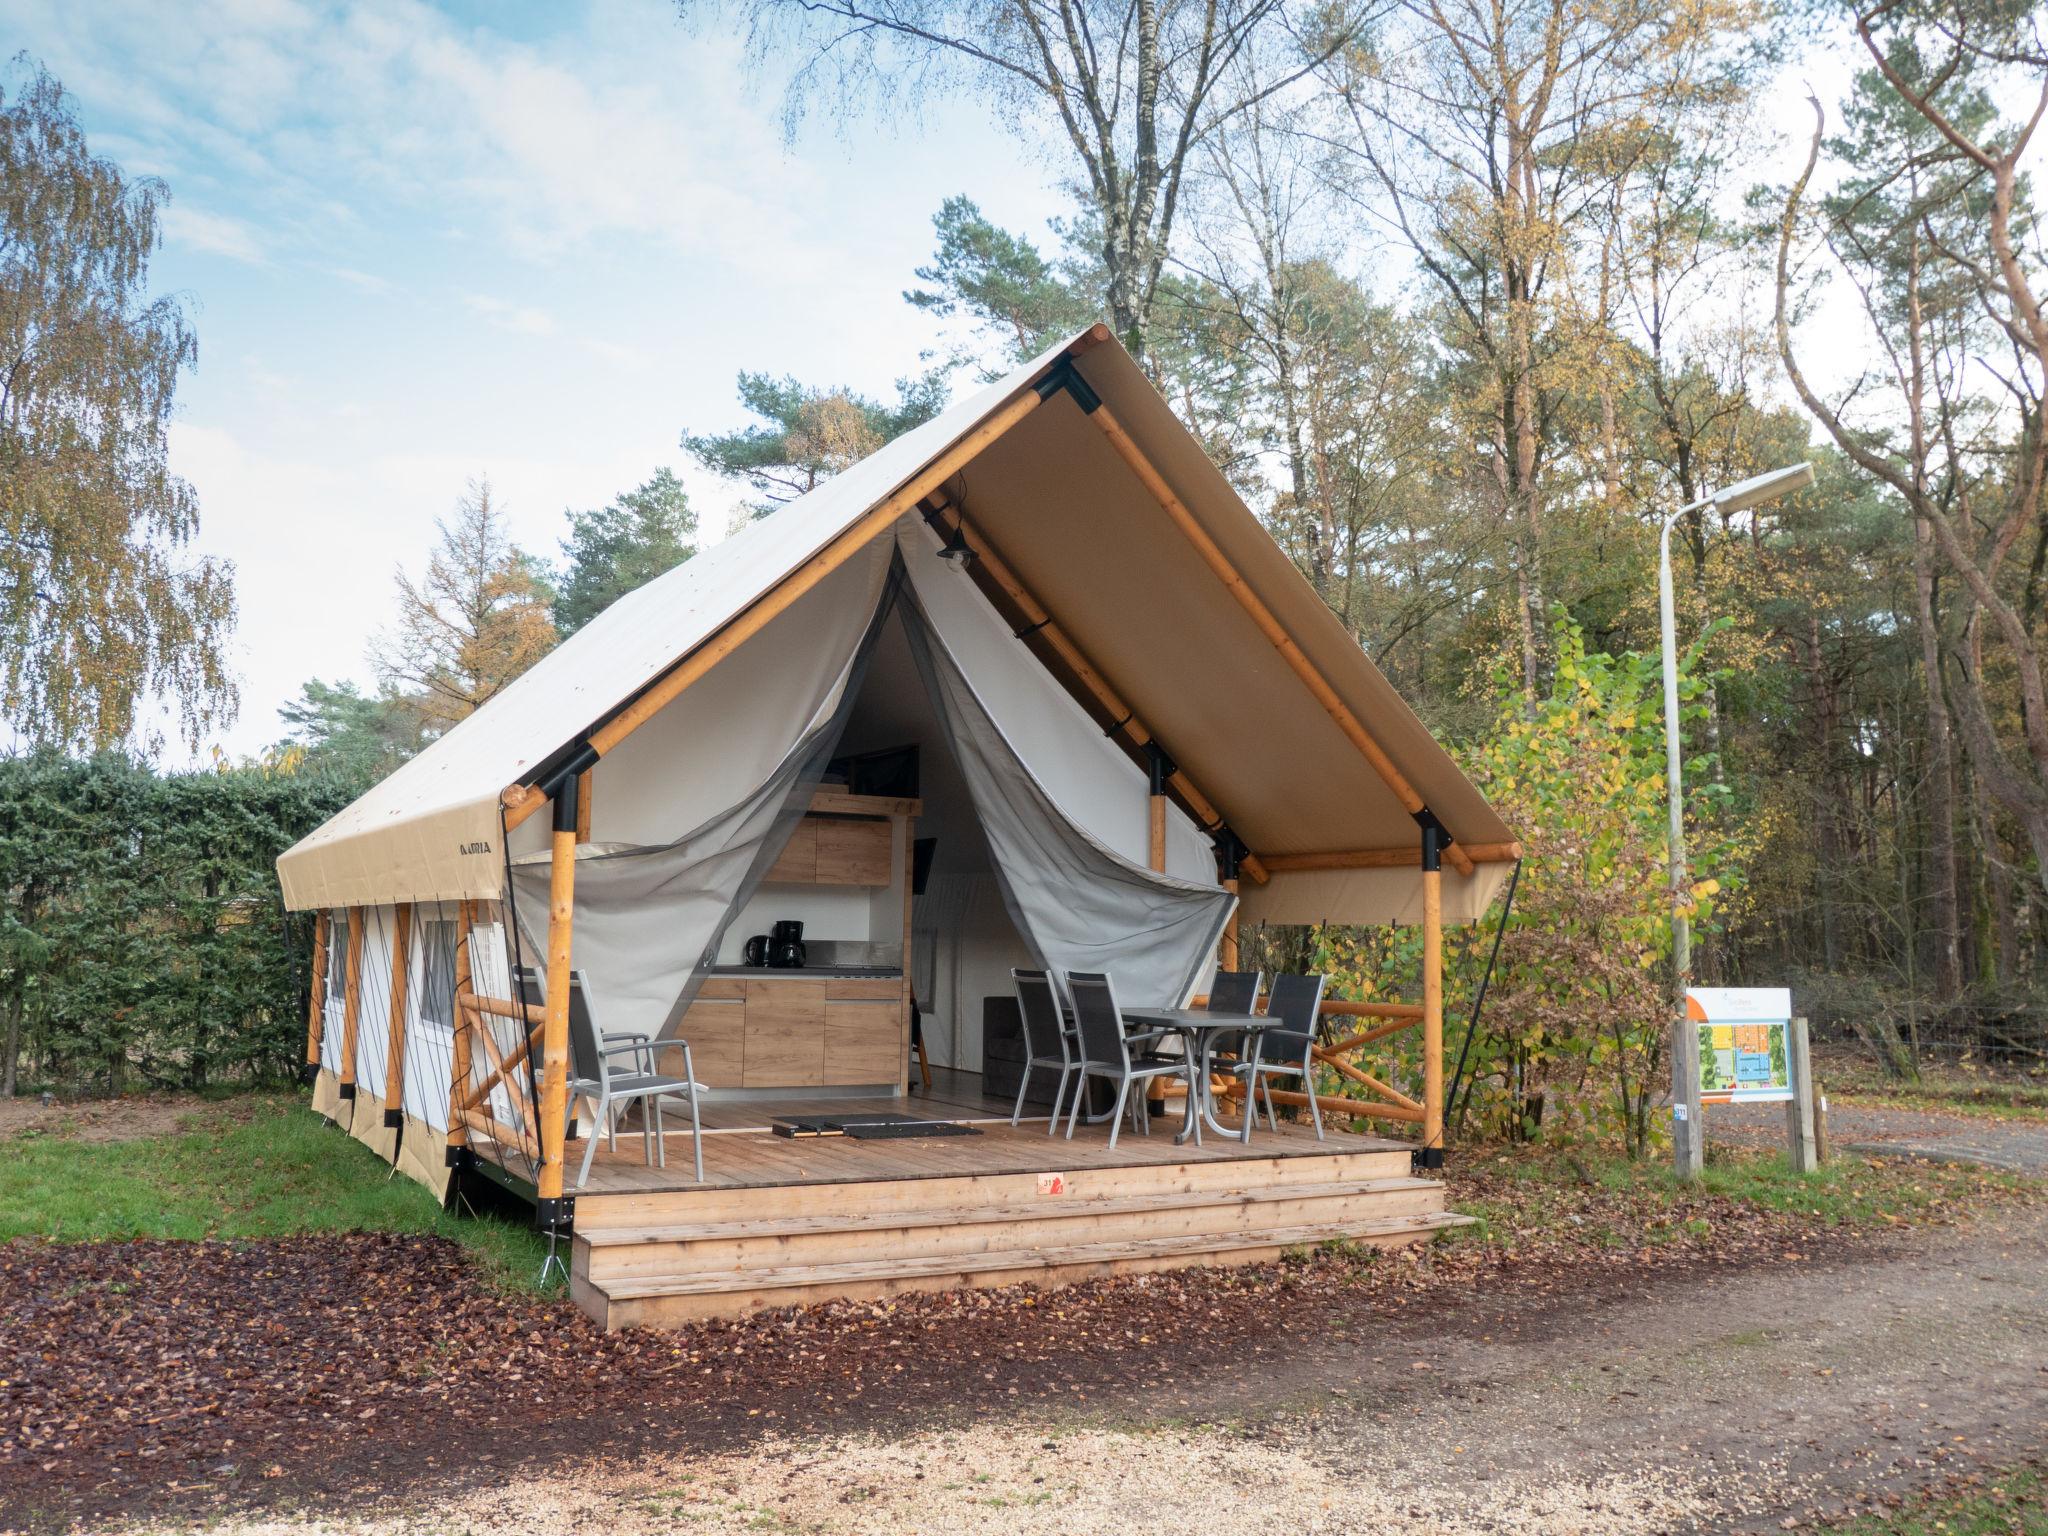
394	1044
1688	1125
990	564
316	1012
459	1066
351	1000
1800	1135
554	1079
1386	858
583	782
1227	951
1432	997
1262	616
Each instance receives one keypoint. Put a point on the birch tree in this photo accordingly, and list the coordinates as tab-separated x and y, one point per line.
105	605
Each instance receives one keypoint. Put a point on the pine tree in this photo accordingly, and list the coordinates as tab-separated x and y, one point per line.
616	549
806	435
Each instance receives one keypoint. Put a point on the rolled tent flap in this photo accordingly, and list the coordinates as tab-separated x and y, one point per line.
1079	905
1370	896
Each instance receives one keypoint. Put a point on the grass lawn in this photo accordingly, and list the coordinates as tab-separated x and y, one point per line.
1605	1199
2013	1505
256	1165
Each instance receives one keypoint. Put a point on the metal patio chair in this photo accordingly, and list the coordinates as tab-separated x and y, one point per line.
592	1077
1233	992
1285	1048
1107	1051
1045	1027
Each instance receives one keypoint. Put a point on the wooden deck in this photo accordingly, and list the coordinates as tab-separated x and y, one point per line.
780	1222
741	1150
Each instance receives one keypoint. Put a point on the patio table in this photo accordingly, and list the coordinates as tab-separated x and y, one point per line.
1199	1028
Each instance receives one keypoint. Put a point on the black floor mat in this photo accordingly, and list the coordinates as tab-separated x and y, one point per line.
891	1130
870	1127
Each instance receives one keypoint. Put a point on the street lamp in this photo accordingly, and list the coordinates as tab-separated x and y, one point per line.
1739	497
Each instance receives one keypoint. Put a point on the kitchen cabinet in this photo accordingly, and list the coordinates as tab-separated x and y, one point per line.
863	1042
785	1034
850	852
716	1028
792	1031
836	850
799	861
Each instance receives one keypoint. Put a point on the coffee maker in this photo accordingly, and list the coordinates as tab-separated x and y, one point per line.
786	945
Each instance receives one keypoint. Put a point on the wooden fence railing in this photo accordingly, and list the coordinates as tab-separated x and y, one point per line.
1336	1054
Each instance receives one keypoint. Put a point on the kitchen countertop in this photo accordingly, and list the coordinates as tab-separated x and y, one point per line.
809	972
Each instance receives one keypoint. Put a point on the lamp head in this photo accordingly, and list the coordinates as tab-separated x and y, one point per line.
1758	489
957	548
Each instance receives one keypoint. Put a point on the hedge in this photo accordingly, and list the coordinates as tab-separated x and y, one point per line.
143	938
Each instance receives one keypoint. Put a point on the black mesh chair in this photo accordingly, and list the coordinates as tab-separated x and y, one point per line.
1048	1042
1284	1049
1106	1051
591	1077
1233	992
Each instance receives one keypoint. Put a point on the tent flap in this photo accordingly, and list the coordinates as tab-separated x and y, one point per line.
1079	905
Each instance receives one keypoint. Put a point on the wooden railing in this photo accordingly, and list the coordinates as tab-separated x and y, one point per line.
1391	1103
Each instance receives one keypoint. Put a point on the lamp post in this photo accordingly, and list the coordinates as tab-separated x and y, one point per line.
1686	1130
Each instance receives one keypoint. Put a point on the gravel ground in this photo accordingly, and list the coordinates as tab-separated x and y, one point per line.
1747	1399
2014	1144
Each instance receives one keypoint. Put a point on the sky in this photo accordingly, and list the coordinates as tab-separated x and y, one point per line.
531	241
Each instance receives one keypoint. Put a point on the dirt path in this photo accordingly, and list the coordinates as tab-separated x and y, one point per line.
101	1120
1690	1399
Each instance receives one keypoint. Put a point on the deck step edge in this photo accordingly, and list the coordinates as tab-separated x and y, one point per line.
1027	1258
1049	1208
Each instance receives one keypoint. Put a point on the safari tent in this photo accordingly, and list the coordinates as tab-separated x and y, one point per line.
1028	687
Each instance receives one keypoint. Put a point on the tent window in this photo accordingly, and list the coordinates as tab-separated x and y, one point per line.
437	972
337	958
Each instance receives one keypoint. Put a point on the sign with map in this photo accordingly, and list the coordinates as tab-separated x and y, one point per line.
1744	1052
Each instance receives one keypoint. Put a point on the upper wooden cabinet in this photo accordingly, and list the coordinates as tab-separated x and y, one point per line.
799	861
835	850
852	852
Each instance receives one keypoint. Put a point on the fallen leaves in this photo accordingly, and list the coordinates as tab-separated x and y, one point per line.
201	1374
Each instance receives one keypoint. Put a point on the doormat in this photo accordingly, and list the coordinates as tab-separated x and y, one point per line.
894	1128
869	1127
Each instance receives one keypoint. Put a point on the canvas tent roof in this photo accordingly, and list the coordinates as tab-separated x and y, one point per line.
1043	485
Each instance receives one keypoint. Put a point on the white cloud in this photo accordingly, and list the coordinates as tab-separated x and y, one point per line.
214	232
521	319
618	123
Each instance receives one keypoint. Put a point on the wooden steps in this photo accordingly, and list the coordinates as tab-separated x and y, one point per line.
677	1256
627	1252
687	1298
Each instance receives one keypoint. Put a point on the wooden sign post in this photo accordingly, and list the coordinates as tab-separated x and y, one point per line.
1688	1130
1801	1137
